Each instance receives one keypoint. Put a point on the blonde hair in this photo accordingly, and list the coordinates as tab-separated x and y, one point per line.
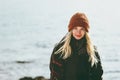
65	49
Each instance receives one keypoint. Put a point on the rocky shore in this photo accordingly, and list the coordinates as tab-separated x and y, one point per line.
36	78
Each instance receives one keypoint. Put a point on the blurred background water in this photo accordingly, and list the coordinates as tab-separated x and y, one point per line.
29	30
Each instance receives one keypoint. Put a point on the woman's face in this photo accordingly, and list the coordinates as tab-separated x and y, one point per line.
78	32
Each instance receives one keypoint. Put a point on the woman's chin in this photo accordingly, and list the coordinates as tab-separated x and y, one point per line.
78	38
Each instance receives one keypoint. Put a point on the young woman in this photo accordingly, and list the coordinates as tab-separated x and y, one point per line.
75	57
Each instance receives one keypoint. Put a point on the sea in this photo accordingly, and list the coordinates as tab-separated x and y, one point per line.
29	30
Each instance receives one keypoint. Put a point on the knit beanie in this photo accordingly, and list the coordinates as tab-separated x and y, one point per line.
78	19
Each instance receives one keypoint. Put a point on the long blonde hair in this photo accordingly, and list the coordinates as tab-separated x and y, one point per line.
65	49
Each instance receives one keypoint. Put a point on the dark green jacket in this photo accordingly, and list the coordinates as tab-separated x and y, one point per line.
77	66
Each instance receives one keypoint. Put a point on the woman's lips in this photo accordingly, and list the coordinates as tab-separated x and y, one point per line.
78	35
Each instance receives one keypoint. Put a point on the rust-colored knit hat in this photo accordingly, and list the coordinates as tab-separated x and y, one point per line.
78	19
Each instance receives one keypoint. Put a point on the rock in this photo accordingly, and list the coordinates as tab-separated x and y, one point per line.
22	62
36	78
26	78
40	78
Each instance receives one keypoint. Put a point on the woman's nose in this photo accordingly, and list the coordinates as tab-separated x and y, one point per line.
79	31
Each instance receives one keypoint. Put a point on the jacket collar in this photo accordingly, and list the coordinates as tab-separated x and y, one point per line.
77	44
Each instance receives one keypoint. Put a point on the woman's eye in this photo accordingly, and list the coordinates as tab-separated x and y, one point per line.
82	29
75	28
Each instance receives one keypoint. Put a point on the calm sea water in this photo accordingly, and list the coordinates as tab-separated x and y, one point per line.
29	30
